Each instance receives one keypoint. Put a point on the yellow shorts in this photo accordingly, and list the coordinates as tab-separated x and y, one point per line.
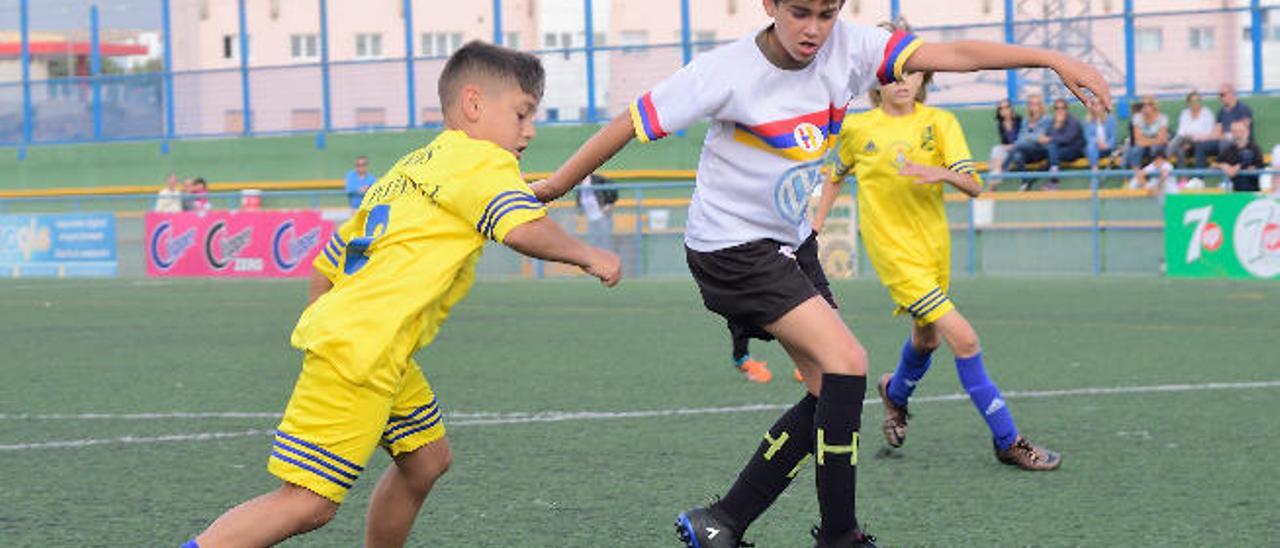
332	425
923	296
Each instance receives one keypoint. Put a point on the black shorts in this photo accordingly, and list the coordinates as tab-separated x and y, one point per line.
753	284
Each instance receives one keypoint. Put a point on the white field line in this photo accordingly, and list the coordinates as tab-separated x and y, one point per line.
491	419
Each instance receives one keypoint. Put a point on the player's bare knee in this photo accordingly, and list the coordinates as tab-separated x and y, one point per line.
926	339
966	345
313	511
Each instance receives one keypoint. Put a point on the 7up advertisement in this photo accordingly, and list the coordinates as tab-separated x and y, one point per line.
1222	235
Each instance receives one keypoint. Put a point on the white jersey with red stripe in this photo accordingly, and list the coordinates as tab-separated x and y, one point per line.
770	128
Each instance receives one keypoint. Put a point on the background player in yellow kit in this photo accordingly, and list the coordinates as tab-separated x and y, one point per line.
382	288
901	153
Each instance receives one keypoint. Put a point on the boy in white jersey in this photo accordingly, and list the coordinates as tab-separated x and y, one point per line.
775	100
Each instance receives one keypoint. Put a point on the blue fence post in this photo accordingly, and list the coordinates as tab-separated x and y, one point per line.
408	64
28	115
95	71
895	9
1255	36
168	73
1130	62
497	22
686	33
244	69
1010	37
590	52
1097	222
641	256
325	103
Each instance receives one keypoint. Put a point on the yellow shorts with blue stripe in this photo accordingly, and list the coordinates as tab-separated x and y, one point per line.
924	297
332	425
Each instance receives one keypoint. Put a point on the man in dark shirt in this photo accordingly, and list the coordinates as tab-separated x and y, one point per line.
1232	111
1241	154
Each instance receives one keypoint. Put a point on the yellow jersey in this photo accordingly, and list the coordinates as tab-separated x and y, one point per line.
903	223
410	251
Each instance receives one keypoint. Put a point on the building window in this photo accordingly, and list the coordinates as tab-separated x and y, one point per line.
549	41
1201	39
441	44
634	40
511	40
368	46
231	46
371	117
1150	40
304	46
704	40
952	34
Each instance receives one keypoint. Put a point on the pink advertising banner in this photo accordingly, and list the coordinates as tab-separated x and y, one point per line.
248	244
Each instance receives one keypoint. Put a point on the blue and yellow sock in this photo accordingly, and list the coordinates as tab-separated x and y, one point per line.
911	368
191	544
986	397
738	361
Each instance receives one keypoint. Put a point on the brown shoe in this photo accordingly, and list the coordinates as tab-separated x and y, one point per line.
1029	456
895	417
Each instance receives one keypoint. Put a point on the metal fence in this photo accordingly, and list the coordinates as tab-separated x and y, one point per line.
70	72
1088	232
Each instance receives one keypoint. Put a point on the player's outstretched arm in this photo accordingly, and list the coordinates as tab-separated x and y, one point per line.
588	158
971	55
544	239
924	175
830	191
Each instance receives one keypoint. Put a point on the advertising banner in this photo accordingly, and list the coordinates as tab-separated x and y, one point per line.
244	244
1222	236
61	245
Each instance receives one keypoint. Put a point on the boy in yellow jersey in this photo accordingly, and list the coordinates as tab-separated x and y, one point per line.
381	290
901	153
776	99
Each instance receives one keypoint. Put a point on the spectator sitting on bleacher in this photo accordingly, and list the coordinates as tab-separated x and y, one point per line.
1099	134
1241	154
1029	147
1195	125
1232	110
1150	131
169	199
1008	126
1063	142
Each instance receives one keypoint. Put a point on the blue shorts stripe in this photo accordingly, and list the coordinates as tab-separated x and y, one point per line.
316	460
414	431
321	451
414	414
932	308
310	468
434	414
927	296
927	304
493	223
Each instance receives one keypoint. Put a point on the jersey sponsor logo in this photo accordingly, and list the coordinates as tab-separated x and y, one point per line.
1257	238
166	249
221	251
901	152
288	249
870	148
791	192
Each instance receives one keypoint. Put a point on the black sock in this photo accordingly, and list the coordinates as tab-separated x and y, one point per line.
837	420
780	457
740	343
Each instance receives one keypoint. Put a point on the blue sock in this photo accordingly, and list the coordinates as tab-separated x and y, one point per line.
986	397
737	362
911	368
191	544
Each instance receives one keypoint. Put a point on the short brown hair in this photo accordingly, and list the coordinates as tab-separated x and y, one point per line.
480	60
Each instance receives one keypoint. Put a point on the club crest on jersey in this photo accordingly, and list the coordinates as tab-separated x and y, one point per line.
870	148
900	152
808	137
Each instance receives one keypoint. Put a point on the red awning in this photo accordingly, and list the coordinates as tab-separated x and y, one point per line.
50	49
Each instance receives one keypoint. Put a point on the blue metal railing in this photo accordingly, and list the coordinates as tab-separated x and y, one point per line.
172	118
